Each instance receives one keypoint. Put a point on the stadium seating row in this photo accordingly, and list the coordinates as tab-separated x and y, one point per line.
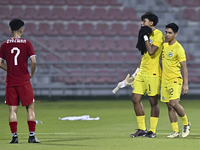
58	13
62	2
91	59
70	29
178	3
94	44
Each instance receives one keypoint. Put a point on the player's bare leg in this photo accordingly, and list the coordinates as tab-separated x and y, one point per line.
31	123
13	123
181	112
140	114
155	111
173	117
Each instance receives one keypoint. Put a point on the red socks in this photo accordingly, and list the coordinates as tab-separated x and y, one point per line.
13	126
31	126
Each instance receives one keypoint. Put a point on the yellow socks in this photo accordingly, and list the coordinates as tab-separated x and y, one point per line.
153	123
141	122
184	120
175	126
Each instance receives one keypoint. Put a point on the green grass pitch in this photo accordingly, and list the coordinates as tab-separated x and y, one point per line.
111	132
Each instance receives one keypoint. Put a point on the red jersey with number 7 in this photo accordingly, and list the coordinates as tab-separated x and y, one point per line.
15	52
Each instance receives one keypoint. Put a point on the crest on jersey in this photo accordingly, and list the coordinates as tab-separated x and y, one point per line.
150	41
171	54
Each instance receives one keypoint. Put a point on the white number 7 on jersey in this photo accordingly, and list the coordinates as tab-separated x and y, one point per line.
16	55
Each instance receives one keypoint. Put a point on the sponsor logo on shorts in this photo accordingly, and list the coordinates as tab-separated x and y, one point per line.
163	98
133	88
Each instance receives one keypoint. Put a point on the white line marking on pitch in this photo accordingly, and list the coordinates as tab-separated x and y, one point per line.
169	133
47	133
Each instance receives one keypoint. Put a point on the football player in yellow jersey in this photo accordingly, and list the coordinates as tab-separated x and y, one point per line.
148	77
173	61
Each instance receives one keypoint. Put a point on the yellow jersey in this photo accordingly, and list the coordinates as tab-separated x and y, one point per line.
150	64
172	55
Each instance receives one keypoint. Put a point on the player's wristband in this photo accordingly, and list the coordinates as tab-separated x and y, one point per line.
145	38
136	71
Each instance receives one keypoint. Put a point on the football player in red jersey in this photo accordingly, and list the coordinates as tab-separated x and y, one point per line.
16	51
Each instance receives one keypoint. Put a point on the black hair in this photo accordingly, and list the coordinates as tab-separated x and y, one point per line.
16	24
173	26
151	16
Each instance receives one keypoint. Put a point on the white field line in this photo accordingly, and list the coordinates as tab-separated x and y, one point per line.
46	133
75	133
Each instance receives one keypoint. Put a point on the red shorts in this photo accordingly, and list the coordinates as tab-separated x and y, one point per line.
23	93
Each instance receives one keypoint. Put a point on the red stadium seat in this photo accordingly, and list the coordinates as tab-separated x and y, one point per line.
58	29
45	2
174	3
87	2
58	13
75	77
102	57
42	41
17	12
85	14
117	58
99	14
132	57
89	29
190	14
81	44
4	29
59	2
72	28
30	13
129	14
5	12
67	44
51	57
106	76
109	44
123	44
113	14
90	76
191	3
131	29
76	58
95	44
90	60
101	2
30	29
43	29
104	28
54	44
28	2
71	14
73	2
18	2
117	28
4	2
43	13
133	45
114	3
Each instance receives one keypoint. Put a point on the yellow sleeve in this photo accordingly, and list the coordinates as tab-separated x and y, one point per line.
158	39
181	54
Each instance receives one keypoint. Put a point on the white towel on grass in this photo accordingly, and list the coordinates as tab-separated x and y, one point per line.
84	117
